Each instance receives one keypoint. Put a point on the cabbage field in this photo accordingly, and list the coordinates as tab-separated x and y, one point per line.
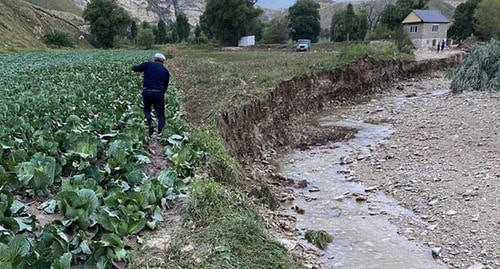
73	146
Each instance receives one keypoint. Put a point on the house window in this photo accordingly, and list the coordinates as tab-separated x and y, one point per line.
413	29
435	28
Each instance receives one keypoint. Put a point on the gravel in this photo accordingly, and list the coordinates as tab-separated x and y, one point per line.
442	162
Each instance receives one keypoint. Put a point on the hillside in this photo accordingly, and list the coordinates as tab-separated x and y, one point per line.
445	7
152	10
22	25
59	5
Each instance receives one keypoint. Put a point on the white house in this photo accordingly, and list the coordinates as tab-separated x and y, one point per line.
426	27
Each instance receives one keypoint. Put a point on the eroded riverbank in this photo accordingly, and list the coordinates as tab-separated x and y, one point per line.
440	170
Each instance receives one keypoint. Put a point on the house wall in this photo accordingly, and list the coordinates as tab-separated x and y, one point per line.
412	18
424	36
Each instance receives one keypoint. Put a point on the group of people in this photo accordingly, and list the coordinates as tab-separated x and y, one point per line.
441	45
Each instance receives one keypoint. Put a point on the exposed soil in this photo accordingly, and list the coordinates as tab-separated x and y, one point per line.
42	218
159	240
261	125
157	157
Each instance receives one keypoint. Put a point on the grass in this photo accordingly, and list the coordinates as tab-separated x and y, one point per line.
319	238
225	232
22	26
220	164
60	5
215	80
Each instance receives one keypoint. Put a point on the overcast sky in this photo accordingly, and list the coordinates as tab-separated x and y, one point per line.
285	3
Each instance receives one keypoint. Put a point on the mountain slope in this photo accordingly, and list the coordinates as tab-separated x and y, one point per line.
22	25
443	6
152	10
59	5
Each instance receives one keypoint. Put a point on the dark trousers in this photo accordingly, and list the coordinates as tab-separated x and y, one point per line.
154	98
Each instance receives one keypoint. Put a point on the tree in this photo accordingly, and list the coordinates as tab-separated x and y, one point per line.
479	70
199	37
133	32
155	34
374	11
182	27
463	21
229	20
349	21
361	26
146	38
487	17
346	25
276	31
172	33
393	15
337	27
162	32
107	20
305	20
204	25
401	38
59	39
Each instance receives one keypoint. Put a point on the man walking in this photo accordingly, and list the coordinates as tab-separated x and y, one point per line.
155	84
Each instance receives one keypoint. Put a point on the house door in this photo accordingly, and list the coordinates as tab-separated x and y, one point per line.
433	43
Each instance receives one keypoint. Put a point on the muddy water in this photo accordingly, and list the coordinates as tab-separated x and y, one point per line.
357	216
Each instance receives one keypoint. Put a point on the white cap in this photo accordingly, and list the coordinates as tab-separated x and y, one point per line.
160	56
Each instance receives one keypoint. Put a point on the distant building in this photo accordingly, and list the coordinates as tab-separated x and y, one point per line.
247	41
426	27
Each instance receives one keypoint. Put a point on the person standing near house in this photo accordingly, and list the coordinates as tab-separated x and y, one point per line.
155	84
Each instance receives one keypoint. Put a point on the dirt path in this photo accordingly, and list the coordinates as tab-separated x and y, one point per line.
443	163
157	157
426	54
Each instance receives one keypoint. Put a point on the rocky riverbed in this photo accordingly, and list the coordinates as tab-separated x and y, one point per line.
442	163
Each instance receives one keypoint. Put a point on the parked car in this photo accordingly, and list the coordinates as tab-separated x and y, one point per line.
303	45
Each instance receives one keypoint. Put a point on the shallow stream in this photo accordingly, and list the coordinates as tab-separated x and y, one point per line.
357	216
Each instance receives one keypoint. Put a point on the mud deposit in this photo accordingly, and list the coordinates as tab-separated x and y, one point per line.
356	215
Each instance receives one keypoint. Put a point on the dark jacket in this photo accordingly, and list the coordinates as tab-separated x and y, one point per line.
156	76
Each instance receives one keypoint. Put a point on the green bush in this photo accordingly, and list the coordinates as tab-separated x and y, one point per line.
402	40
58	39
399	36
380	33
197	40
480	70
145	38
377	51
